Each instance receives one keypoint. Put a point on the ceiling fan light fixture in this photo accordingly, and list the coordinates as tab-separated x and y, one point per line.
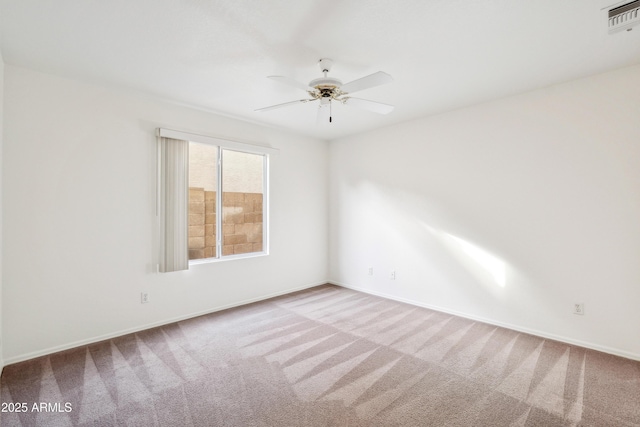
325	89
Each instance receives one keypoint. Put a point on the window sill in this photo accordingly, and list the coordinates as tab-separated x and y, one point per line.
227	258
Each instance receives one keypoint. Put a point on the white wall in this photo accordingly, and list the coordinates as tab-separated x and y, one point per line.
547	182
79	219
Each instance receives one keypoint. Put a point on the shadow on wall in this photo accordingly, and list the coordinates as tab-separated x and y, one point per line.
395	220
480	263
437	260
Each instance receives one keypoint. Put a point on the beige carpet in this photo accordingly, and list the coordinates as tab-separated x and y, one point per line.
325	357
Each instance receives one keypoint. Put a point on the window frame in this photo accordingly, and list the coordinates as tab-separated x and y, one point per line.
242	147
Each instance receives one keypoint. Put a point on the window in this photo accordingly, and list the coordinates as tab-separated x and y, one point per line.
212	199
242	202
203	189
241	223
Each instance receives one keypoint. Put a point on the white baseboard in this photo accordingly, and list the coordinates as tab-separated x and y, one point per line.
542	334
51	350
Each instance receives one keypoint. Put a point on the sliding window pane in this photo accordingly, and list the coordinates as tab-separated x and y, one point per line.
242	202
203	177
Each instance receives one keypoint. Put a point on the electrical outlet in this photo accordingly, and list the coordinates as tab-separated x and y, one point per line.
392	276
144	297
370	271
578	308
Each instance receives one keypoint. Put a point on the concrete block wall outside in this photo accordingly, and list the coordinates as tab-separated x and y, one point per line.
242	223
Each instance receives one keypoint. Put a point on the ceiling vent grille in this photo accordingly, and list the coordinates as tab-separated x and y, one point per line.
624	17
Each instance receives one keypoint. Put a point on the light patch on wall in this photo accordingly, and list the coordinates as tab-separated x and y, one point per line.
478	258
479	262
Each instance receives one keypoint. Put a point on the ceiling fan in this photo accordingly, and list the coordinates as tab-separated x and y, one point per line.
327	89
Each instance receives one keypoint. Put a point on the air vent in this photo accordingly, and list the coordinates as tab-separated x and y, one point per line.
624	17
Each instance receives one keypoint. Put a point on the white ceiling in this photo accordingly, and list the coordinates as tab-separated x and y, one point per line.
216	54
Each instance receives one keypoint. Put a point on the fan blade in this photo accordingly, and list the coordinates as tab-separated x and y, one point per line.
290	82
273	107
372	80
323	114
376	107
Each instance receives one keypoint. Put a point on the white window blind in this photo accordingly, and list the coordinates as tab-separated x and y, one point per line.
173	204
